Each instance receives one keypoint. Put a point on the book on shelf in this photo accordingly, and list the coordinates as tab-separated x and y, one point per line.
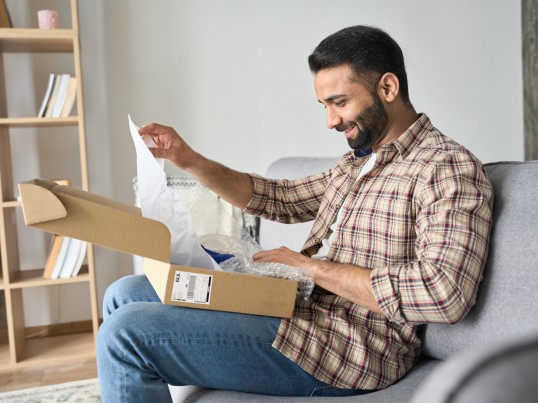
70	97
80	260
59	97
55	247
71	257
60	258
62	92
65	258
52	97
74	258
46	98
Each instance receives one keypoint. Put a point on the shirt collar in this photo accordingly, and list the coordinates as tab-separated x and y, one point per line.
404	144
409	139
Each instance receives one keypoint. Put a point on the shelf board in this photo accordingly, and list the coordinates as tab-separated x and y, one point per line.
17	40
10	204
34	278
56	349
39	122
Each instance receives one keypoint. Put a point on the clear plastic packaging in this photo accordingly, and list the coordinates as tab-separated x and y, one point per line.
242	262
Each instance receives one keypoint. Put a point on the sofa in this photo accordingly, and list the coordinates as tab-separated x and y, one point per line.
489	356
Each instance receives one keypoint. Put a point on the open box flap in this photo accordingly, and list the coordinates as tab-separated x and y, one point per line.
40	202
75	213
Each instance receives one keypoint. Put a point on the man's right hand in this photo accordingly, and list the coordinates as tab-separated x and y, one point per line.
170	145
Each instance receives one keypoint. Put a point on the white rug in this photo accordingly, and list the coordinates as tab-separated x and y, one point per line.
86	391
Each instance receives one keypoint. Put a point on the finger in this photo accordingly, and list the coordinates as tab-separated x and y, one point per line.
146	129
159	152
154	129
271	255
260	256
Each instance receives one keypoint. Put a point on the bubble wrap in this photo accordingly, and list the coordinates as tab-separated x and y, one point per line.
242	262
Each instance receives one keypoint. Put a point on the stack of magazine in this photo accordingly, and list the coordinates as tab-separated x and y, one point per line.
65	258
59	97
66	254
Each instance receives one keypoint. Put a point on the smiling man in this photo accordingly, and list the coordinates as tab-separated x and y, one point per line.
400	238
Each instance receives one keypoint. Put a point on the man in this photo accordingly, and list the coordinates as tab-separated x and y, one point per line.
400	238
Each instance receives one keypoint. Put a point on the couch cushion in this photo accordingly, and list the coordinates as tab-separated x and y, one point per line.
506	304
399	392
274	234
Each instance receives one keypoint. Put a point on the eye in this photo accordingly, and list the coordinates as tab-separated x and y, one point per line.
340	103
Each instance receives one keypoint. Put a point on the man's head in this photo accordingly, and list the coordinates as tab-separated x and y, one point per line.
369	51
359	73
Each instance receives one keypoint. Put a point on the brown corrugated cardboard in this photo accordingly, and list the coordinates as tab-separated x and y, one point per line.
71	212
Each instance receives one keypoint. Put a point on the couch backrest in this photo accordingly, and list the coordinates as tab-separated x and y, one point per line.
274	234
506	305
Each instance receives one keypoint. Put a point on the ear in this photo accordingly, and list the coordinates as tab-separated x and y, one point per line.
388	87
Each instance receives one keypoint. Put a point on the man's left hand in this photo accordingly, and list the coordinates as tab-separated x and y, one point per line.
283	255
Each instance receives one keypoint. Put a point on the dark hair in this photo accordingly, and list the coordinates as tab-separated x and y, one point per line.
366	50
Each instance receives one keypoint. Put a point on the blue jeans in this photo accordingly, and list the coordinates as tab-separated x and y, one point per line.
144	345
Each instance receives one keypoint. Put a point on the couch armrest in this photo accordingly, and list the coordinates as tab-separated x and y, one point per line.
498	373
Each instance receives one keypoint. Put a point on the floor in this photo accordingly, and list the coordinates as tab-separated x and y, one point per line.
49	375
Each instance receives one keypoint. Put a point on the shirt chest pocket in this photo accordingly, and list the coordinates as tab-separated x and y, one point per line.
377	223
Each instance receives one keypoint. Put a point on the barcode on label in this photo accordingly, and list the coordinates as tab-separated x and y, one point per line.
190	290
192	287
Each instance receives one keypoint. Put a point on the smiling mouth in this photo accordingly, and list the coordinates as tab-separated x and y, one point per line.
350	130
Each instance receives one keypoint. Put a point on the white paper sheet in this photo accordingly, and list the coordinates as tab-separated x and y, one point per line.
161	203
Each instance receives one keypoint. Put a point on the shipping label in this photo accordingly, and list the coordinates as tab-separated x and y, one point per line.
192	287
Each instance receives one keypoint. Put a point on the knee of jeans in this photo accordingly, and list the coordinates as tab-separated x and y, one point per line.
111	341
119	330
117	294
105	337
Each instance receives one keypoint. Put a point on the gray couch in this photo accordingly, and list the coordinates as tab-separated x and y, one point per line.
492	354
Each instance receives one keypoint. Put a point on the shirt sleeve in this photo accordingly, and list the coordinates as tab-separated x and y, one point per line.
453	223
287	201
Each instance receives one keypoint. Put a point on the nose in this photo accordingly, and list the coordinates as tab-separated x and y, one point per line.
333	119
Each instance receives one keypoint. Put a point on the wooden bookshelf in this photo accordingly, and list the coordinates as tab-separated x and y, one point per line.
19	350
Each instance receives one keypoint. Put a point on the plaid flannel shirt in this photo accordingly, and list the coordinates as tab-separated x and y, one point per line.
420	220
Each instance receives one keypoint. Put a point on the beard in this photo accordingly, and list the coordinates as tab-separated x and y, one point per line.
373	121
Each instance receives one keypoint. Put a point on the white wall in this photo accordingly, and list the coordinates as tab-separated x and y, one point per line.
232	77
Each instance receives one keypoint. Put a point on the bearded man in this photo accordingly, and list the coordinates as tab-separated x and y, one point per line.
400	238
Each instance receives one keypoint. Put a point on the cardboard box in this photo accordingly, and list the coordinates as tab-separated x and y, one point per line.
71	212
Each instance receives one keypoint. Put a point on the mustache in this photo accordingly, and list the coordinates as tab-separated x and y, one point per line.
345	126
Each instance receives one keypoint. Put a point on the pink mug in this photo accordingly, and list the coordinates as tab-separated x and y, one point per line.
47	19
